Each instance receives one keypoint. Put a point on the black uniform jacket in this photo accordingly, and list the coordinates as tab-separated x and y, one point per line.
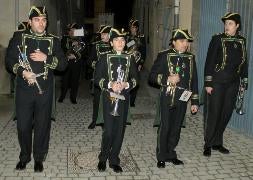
140	43
106	70
28	43
96	50
226	60
170	61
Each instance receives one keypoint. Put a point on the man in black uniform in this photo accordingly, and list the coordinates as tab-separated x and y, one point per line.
175	72
97	48
226	65
116	75
34	89
22	27
72	47
136	44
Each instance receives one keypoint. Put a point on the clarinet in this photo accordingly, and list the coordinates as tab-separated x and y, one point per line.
23	61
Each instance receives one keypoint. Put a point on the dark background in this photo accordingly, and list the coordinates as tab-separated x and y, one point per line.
122	11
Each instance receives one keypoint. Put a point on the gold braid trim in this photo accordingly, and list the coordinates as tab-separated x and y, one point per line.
195	96
53	65
159	79
134	82
208	78
93	65
245	80
15	68
101	82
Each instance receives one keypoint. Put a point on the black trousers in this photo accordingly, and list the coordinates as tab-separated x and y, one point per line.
113	132
33	112
219	109
133	94
168	133
96	99
71	79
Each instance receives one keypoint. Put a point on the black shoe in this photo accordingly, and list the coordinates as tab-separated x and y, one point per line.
73	101
221	149
116	168
161	164
15	118
21	165
176	161
207	152
92	125
101	166
52	119
38	166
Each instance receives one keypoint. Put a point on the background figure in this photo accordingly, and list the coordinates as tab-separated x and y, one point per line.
226	65
33	63
136	44
175	72
115	72
72	47
97	49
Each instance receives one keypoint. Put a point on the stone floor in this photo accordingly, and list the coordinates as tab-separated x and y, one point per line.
74	148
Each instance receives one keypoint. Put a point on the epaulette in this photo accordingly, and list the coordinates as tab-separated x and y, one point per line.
95	42
128	52
53	35
163	50
22	30
241	37
105	52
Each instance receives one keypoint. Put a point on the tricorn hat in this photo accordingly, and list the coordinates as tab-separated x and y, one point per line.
181	34
37	11
134	23
104	29
114	33
232	16
73	26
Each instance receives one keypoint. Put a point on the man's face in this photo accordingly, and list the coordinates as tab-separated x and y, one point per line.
71	32
105	37
181	45
230	27
38	24
118	43
133	30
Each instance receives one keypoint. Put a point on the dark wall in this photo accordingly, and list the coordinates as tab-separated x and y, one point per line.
122	11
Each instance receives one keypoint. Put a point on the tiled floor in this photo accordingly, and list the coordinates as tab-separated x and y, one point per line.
74	148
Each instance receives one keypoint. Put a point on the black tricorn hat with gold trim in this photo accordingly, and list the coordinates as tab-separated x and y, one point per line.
73	26
181	34
37	11
114	33
134	23
104	29
232	16
23	26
